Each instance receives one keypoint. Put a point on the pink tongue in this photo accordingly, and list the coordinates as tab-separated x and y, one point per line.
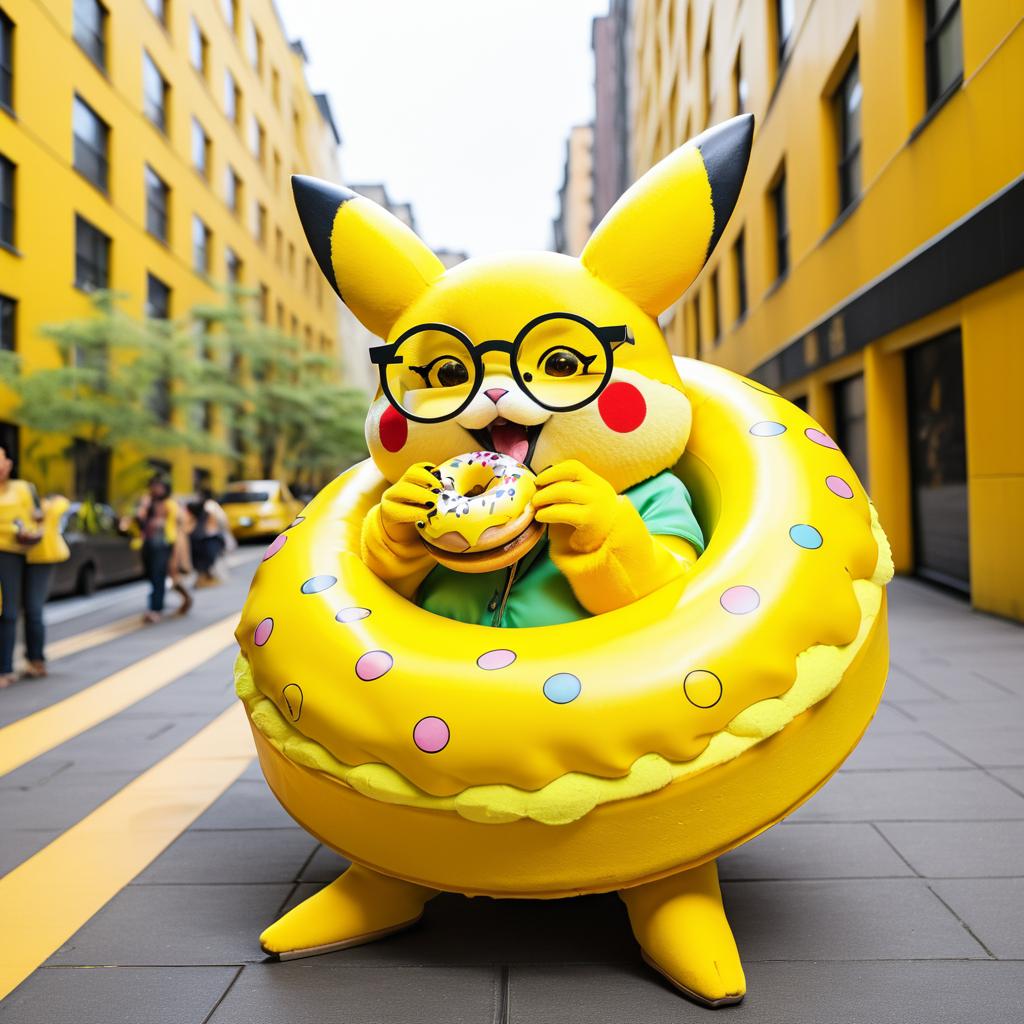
510	439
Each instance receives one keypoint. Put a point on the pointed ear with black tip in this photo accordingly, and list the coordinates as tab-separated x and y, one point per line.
654	241
372	260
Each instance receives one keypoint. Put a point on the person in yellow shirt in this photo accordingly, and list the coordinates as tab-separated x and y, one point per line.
40	563
19	532
156	517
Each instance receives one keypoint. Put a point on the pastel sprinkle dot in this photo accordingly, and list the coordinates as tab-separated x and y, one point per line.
767	428
431	734
838	486
373	665
703	689
500	658
261	634
352	614
296	521
275	545
292	695
805	536
562	688
740	600
820	437
316	584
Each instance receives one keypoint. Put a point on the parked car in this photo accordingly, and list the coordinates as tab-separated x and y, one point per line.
100	553
258	508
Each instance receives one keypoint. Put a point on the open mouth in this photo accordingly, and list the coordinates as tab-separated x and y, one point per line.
509	438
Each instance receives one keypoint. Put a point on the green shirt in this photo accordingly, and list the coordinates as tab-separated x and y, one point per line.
533	592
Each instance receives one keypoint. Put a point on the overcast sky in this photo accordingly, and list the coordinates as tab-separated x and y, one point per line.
460	107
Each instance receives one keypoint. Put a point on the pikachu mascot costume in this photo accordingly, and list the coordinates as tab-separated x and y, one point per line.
693	642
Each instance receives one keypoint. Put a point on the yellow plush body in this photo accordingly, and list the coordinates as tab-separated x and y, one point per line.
701	702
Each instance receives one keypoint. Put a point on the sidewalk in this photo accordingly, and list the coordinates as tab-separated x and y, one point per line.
896	894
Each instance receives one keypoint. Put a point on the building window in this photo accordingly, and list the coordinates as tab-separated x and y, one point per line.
698	341
232	190
260	224
783	18
198	48
944	48
91	144
154	92
159	9
158	195
280	316
258	139
777	200
264	303
277	169
92	256
278	246
739	263
7	170
275	87
200	246
255	47
847	107
200	149
232	98
7	62
158	298
90	30
851	423
706	78
716	322
740	88
230	10
232	267
8	322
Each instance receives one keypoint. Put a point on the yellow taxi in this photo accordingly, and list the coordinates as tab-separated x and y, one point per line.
258	508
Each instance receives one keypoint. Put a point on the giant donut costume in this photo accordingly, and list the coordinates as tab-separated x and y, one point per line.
652	738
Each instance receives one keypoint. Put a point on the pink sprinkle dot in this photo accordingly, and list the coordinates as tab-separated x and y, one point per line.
431	734
820	437
275	545
261	634
373	665
740	600
500	658
837	485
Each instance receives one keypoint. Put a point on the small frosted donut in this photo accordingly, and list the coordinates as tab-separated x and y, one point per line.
483	518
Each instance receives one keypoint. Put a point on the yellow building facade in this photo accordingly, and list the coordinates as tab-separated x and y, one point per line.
146	146
873	270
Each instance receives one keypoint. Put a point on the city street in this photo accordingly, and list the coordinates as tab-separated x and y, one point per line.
140	841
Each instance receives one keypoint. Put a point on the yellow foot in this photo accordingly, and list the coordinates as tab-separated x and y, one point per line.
684	935
357	907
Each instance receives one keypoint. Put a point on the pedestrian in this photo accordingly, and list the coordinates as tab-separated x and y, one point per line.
40	563
18	532
209	538
157	519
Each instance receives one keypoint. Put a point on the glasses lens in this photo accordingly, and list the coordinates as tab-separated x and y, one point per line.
434	375
562	363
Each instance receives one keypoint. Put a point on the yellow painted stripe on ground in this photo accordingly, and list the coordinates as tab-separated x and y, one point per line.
45	900
92	637
37	733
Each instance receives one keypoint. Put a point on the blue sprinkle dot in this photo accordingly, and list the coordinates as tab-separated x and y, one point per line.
805	536
767	428
316	584
562	688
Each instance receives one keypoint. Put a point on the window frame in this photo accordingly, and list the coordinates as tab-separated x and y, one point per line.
714	297
933	29
739	266
152	279
161	121
93	38
196	35
783	43
781	239
207	239
202	170
847	156
232	98
8	200
7	26
8	323
161	212
99	259
102	158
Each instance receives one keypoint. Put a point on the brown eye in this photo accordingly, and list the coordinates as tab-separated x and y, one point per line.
561	364
451	373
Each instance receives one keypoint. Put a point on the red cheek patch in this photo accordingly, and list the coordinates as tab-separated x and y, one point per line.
622	407
394	429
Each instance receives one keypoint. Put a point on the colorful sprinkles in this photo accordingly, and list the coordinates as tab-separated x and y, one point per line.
805	536
275	545
767	428
261	634
838	486
820	437
562	688
703	689
373	665
352	614
740	600
318	584
499	658
431	734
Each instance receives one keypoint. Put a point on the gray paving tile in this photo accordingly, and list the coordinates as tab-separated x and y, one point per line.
17	846
325	866
951	849
777	993
245	805
882	752
1012	777
893	718
456	930
868	919
993	909
813	851
104	995
903	688
296	993
987	745
58	807
36	773
232	856
941	795
194	925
